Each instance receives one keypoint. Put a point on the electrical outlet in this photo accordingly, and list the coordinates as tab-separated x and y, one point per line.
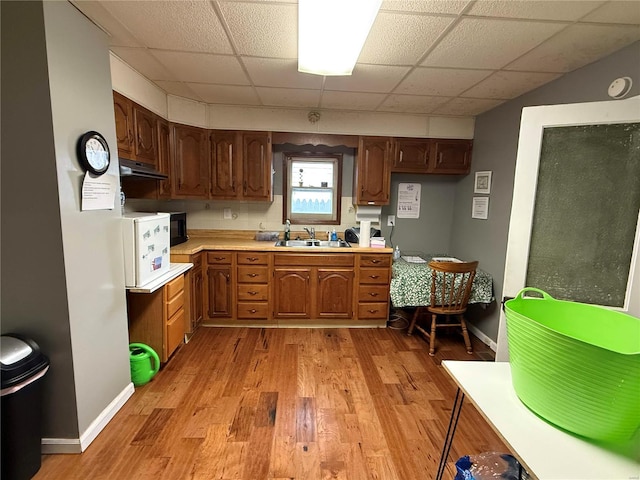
391	220
226	214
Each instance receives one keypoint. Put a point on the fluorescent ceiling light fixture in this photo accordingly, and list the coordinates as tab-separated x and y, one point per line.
331	34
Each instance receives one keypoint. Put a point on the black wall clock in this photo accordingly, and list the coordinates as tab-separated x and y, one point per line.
93	153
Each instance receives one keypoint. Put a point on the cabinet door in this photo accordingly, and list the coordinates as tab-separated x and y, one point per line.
292	293
334	293
190	176
225	164
123	110
256	166
219	291
164	158
372	176
411	155
197	293
145	135
451	156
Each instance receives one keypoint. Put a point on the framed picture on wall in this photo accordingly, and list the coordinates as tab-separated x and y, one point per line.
482	183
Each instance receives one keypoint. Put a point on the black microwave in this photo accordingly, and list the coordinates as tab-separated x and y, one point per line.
178	228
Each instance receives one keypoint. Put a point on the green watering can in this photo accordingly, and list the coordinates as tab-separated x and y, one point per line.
145	363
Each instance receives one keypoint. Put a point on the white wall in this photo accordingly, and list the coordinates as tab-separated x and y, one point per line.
62	269
81	100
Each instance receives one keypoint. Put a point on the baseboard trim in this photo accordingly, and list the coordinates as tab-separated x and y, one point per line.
482	337
79	445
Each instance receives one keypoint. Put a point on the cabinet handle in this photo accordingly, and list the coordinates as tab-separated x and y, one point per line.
130	137
253	310
375	261
252	293
218	258
400	156
371	310
374	276
252	259
373	294
252	275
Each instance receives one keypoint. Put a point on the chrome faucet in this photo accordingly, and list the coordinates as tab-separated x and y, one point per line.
311	232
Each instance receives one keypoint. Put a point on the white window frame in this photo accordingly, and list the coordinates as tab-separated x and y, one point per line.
311	218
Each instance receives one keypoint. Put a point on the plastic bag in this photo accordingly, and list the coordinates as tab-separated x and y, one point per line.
489	466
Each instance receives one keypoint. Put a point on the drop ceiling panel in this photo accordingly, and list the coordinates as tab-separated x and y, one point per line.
426	6
412	103
263	29
170	25
351	101
225	94
368	78
178	89
508	85
419	55
202	67
625	11
467	106
535	10
397	39
287	97
278	72
118	34
502	41
575	47
447	82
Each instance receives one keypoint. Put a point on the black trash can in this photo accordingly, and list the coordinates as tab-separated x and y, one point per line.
22	367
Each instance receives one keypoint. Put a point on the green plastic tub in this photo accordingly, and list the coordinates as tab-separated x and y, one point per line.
576	365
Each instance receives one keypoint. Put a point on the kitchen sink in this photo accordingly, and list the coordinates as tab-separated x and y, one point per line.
312	243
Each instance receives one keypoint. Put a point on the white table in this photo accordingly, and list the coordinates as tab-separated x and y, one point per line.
545	451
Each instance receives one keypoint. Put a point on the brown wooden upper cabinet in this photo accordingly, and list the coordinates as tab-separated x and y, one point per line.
411	155
145	138
241	165
451	156
372	174
257	166
431	155
123	109
164	157
190	172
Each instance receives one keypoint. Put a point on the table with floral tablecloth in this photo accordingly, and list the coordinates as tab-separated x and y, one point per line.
411	283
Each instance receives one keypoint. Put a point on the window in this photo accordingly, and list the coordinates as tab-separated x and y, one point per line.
312	186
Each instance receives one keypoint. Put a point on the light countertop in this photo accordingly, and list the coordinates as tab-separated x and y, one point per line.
175	269
199	243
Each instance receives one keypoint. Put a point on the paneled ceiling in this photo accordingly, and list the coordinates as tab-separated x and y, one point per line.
436	57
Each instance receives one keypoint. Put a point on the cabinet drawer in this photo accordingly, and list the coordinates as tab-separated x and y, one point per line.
250	274
375	260
174	287
174	304
373	310
219	258
375	275
253	258
373	293
253	310
337	260
253	292
175	331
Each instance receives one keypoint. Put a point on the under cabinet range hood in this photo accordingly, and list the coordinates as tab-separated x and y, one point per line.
130	168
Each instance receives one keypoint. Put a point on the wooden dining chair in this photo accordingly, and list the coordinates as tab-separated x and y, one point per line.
450	291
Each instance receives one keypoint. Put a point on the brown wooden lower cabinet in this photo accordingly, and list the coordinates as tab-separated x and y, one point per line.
290	289
157	319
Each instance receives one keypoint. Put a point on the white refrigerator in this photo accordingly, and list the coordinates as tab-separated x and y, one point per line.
146	247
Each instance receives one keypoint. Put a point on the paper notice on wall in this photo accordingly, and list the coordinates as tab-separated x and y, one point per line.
409	200
99	193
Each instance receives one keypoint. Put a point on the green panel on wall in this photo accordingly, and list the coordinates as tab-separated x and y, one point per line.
586	212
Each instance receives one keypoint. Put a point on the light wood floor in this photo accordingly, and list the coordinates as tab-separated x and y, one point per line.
304	404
